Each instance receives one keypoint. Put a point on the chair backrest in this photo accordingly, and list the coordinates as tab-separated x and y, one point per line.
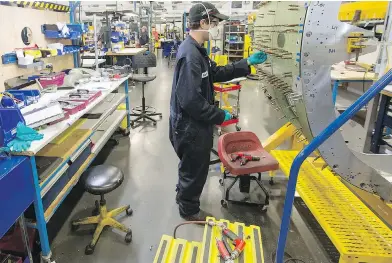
144	61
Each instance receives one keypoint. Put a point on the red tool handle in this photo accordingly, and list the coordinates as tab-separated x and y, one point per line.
222	249
230	234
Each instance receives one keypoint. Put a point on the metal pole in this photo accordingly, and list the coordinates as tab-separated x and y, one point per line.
25	237
96	41
378	86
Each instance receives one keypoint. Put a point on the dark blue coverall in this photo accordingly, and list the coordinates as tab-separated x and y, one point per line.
193	116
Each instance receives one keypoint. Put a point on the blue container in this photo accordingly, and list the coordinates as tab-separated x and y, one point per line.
28	96
9	58
9	118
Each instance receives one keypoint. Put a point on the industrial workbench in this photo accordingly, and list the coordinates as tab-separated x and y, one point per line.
94	132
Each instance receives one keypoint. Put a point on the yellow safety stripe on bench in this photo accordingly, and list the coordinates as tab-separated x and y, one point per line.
358	234
37	5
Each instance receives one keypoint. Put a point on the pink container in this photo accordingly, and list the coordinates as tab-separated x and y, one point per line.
52	79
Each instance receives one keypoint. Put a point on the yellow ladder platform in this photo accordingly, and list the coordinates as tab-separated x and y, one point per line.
357	233
172	250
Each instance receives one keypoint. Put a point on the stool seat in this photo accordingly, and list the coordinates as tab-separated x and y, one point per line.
246	142
102	179
142	77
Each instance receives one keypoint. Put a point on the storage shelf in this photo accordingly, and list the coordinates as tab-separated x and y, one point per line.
102	135
234	50
235	32
68	187
235	56
41	63
107	108
234	42
75	142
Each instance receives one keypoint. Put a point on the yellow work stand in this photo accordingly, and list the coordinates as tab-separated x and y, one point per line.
183	251
356	232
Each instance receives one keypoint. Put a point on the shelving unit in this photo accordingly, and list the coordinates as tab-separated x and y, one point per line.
233	45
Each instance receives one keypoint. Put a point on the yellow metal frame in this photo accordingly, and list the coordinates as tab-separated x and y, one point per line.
104	218
358	234
370	10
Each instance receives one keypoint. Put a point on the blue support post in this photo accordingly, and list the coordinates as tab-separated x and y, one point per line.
73	5
127	105
39	212
312	146
335	91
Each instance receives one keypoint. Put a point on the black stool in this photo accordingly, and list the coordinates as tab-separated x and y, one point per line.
100	180
143	112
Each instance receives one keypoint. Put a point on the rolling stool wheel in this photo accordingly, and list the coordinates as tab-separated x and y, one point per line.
224	203
128	236
89	250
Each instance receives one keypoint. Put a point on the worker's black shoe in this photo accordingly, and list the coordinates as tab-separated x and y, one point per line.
200	216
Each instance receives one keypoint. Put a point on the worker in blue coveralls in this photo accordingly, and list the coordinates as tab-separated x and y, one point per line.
193	113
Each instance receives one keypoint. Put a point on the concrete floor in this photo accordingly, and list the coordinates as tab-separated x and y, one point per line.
150	166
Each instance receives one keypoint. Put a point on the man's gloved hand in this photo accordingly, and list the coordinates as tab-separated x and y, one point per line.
228	115
18	145
257	58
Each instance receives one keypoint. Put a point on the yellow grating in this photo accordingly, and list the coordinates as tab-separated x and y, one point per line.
172	250
358	234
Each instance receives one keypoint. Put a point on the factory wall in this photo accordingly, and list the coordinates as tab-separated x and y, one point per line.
12	21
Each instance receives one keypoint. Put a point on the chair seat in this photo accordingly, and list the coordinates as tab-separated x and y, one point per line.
246	142
102	179
266	163
142	77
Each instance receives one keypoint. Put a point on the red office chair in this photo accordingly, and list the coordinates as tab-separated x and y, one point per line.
246	142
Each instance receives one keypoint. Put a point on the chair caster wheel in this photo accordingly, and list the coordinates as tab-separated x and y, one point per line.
74	227
132	124
238	128
128	237
264	208
89	250
129	212
160	116
224	203
154	124
126	133
271	182
221	182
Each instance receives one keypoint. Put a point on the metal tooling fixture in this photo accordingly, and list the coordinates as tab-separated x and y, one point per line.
307	53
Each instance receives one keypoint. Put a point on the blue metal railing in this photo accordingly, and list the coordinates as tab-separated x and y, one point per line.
378	86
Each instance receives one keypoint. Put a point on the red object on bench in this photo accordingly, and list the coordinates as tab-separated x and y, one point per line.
246	142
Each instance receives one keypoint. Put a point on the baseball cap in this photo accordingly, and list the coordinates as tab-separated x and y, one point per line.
198	12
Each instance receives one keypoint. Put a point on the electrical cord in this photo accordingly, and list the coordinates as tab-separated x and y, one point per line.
289	258
188	223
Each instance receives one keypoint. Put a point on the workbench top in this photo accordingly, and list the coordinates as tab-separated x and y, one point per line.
340	72
52	131
127	52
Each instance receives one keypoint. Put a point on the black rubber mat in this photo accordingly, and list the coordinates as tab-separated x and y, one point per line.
326	243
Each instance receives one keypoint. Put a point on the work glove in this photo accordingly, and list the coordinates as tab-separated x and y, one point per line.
18	145
25	133
257	58
228	115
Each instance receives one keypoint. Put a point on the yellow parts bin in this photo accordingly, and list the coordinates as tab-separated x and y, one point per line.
123	124
33	52
183	251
